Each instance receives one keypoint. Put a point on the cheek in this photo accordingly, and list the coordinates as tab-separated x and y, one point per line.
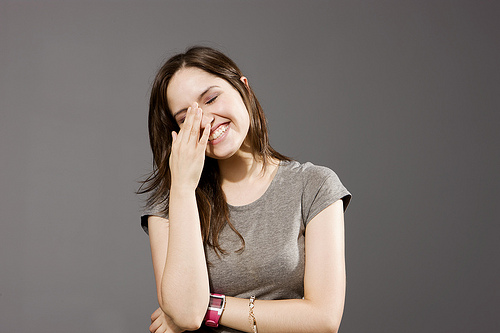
243	113
247	121
247	116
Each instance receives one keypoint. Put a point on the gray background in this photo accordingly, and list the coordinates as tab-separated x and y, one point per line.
400	98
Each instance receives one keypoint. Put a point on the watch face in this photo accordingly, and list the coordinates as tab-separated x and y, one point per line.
215	302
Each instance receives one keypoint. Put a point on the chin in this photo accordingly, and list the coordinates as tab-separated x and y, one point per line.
221	152
225	149
220	156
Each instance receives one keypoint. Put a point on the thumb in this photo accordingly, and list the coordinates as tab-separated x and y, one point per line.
174	136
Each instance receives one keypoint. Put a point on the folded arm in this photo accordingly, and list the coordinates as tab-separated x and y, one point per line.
181	276
176	244
324	282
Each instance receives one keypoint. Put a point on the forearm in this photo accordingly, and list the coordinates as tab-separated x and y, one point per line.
294	315
184	286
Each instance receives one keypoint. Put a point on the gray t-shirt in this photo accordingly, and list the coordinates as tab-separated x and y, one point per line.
273	227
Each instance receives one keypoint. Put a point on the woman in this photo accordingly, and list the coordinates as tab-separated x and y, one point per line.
232	223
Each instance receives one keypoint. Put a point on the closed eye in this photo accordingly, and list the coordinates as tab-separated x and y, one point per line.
181	118
211	100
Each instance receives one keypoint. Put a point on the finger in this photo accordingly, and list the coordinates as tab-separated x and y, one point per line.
188	122
155	325
190	114
161	329
206	119
156	314
195	128
204	137
174	136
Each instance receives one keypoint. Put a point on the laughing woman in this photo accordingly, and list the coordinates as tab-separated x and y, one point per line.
243	239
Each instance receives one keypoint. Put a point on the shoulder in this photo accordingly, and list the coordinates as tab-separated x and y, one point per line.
309	173
158	207
320	186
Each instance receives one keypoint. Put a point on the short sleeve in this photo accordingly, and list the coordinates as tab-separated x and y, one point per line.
159	209
322	188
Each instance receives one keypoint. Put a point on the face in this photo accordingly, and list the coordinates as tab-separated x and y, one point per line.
221	104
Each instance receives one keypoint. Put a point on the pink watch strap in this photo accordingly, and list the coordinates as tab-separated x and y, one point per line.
214	310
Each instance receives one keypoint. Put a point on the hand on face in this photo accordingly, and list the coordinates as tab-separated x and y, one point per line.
188	149
222	104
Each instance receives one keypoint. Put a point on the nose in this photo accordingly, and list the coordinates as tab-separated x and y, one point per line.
206	119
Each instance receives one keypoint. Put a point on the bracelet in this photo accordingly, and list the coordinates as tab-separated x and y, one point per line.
251	316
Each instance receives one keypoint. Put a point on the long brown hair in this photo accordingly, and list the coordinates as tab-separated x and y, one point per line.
211	201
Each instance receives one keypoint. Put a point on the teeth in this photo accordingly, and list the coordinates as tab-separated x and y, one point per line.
218	132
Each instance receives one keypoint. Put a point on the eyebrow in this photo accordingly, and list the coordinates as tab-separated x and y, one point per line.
199	97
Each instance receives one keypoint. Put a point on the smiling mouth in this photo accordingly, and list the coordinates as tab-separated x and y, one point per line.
218	132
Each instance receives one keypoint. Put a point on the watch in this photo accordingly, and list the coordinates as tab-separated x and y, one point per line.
215	308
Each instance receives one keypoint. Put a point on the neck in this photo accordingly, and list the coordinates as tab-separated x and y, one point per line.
239	167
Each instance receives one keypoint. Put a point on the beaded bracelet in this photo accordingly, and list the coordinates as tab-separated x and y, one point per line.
251	316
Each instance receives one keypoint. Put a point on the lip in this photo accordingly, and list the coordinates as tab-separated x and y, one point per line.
220	138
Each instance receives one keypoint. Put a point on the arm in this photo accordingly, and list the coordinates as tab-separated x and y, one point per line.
160	321
324	285
176	244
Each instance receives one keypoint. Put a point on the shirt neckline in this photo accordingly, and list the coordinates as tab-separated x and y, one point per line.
264	195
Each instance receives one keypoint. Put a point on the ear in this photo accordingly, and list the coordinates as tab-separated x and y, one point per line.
245	81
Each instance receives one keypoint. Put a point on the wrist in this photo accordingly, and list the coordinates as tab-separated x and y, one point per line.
181	188
215	308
